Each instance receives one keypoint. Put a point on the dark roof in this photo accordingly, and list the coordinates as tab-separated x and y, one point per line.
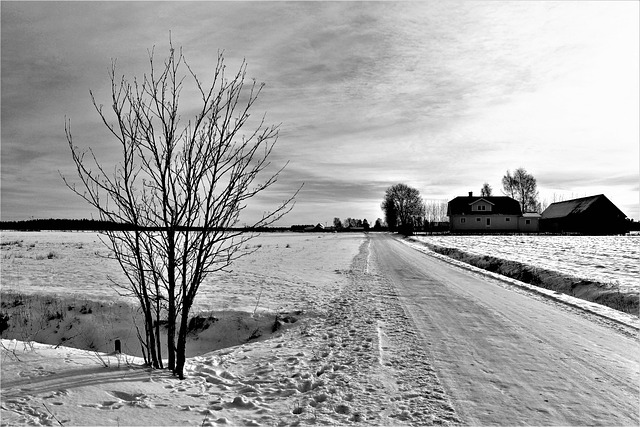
501	205
576	206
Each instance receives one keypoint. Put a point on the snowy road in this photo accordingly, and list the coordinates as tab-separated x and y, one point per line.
508	357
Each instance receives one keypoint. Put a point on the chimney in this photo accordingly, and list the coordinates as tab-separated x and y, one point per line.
470	193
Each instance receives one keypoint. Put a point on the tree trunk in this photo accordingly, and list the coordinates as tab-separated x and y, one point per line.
145	303
171	297
182	340
148	326
157	329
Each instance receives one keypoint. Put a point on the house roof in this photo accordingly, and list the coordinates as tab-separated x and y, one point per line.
575	206
501	205
481	199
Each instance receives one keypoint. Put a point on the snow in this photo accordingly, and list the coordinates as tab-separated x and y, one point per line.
597	309
289	268
605	259
349	358
353	355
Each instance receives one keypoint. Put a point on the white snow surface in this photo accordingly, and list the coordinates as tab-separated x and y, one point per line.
334	366
352	358
289	268
597	309
605	259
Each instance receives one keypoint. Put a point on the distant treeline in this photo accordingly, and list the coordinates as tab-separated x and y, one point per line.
63	224
97	225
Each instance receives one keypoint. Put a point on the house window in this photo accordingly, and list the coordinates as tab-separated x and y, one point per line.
482	207
477	219
507	219
488	221
527	221
463	220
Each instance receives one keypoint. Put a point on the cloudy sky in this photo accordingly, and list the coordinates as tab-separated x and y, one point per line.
442	96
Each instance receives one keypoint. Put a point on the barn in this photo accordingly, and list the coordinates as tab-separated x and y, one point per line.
586	215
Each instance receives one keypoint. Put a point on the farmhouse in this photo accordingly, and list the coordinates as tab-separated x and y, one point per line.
473	214
587	215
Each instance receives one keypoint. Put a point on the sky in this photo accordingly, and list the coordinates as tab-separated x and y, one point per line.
441	96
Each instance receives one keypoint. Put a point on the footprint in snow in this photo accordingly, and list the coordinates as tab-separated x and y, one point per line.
321	398
249	390
57	393
107	405
343	409
128	397
241	403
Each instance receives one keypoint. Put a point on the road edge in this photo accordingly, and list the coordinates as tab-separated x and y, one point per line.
599	310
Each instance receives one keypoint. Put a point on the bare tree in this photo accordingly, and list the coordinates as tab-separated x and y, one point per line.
346	223
522	186
554	199
436	211
180	185
337	223
403	208
390	213
486	190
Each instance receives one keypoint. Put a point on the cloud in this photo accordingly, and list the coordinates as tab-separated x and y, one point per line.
568	180
441	96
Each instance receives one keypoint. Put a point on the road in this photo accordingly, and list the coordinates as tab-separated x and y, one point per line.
511	358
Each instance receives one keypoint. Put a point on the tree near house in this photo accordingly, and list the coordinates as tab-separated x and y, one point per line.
522	186
555	198
390	213
181	183
403	208
435	211
337	223
486	190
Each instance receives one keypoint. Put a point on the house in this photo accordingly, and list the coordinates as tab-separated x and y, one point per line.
474	214
586	215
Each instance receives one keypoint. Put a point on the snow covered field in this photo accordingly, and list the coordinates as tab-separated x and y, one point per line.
605	259
287	269
286	273
353	356
327	368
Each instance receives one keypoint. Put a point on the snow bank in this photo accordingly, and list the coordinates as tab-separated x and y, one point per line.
603	259
551	284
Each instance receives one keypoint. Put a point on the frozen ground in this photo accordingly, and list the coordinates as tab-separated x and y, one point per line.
288	269
605	259
509	354
364	350
351	358
65	280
